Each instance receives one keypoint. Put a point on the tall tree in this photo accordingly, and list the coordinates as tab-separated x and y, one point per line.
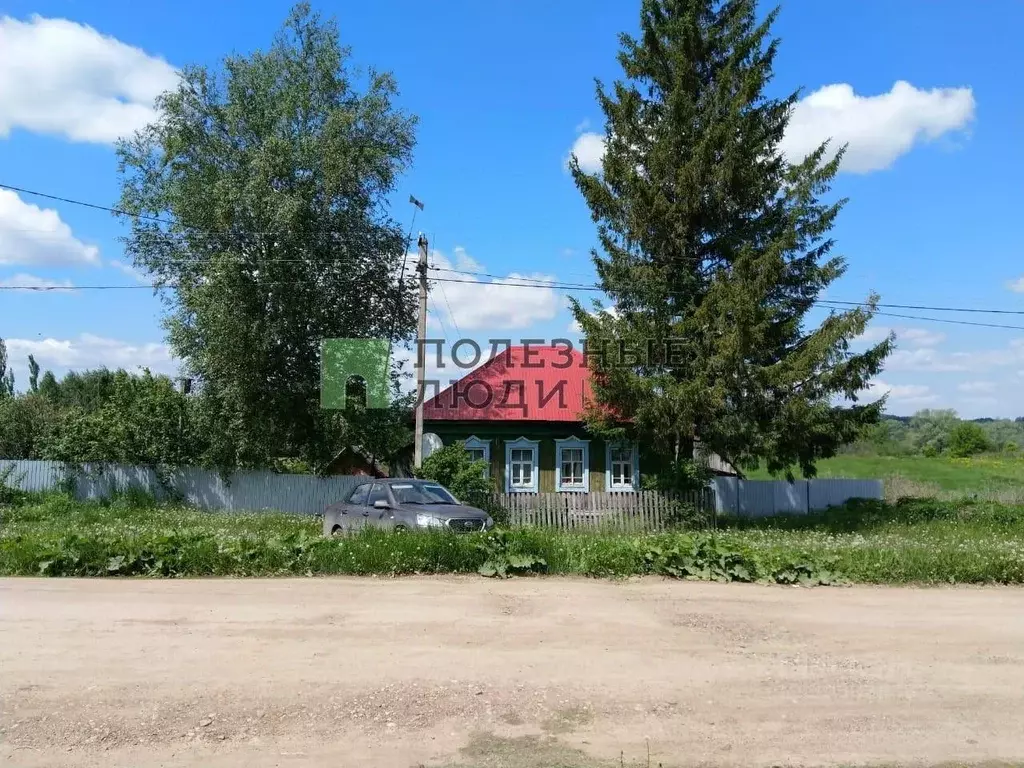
715	248
33	374
269	179
6	375
49	387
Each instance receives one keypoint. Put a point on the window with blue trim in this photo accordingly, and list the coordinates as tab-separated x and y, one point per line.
521	466
479	450
572	465
622	465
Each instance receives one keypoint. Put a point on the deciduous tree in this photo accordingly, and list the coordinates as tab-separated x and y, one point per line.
260	198
33	374
6	375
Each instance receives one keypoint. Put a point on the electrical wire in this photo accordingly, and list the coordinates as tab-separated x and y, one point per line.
451	314
516	282
157	219
935	319
433	311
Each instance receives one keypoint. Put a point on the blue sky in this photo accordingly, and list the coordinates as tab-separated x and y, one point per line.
921	89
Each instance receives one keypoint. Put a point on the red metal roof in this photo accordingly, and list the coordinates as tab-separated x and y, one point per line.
541	384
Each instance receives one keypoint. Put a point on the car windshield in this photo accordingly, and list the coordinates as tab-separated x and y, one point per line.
422	493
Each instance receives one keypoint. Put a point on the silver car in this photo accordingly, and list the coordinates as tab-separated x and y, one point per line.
399	505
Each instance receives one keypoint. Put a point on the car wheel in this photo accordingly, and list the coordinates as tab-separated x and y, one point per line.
337	531
400	529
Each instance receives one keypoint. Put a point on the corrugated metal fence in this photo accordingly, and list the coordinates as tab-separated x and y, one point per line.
307	494
762	498
254	491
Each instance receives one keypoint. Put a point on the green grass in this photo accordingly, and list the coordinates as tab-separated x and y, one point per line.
996	477
914	541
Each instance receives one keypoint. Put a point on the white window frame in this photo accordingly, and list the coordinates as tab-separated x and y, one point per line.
522	444
474	443
567	443
635	480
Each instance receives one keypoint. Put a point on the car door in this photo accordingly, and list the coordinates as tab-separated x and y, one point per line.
379	518
353	512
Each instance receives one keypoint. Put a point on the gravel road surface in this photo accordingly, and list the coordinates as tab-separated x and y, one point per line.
524	673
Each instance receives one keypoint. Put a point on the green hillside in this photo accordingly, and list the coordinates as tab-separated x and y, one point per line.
988	476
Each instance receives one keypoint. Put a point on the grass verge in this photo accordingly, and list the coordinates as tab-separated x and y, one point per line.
913	541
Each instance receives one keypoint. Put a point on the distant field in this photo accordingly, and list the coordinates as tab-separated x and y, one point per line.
996	477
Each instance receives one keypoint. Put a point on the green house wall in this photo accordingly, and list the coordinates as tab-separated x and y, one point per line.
500	433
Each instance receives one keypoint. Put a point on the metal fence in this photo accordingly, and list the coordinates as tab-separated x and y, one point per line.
206	489
306	494
763	498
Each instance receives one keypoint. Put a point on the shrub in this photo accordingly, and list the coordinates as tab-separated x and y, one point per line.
967	439
930	451
451	467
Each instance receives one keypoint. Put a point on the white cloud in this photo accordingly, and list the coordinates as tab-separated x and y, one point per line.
977	387
878	129
127	269
1017	286
66	79
905	337
90	351
589	151
923	359
872	335
937	361
919	337
905	393
491	303
980	402
26	282
33	235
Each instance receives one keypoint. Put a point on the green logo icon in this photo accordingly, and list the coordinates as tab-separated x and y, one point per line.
350	368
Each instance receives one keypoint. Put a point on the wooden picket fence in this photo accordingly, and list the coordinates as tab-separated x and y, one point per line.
624	511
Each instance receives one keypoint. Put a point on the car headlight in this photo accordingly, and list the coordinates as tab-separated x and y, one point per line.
488	523
429	521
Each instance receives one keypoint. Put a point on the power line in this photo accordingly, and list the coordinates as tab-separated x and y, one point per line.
823	302
451	314
157	219
938	319
523	282
931	309
118	211
542	283
436	314
515	282
47	288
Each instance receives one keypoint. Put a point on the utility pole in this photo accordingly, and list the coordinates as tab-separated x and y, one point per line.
421	351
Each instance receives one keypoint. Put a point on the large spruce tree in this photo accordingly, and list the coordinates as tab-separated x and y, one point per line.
715	248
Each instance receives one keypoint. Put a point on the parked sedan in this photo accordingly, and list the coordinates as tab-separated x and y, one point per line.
398	504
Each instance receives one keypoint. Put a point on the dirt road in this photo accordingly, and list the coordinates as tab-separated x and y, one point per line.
528	672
